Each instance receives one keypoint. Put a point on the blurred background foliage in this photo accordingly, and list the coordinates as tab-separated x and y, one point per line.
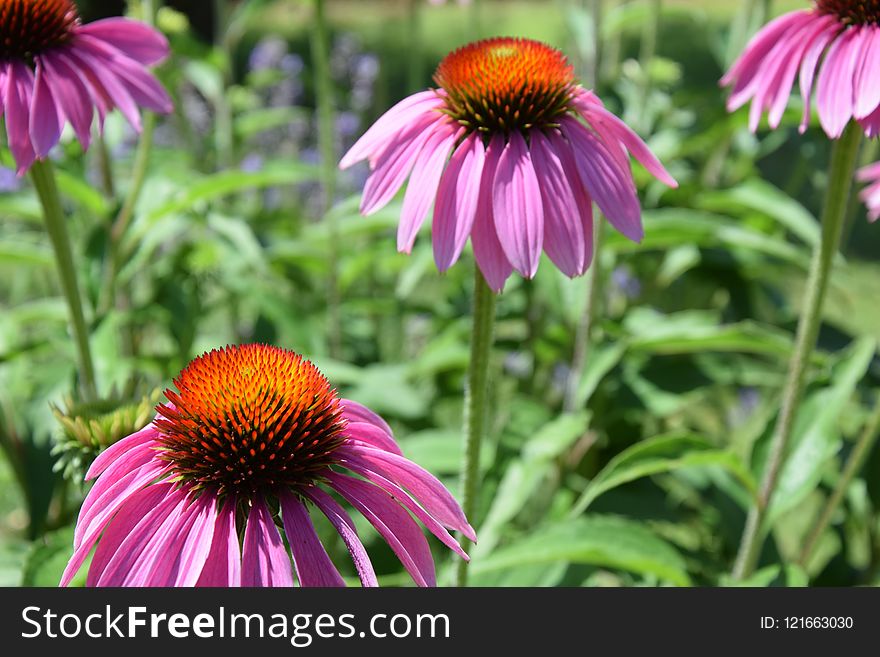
643	475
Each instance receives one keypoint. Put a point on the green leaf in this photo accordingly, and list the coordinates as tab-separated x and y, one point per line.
662	454
816	432
595	540
222	184
48	558
603	358
20	254
82	193
556	437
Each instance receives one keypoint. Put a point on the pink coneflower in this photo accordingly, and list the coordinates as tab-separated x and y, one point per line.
847	33
54	70
254	434
871	194
530	150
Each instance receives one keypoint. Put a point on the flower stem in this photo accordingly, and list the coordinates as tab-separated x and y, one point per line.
43	177
585	325
475	403
327	148
840	179
853	466
647	53
123	219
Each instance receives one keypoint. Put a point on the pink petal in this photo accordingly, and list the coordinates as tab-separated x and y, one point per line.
313	565
456	203
355	412
128	535
408	111
808	67
581	197
867	89
392	522
137	40
46	123
133	511
371	435
264	560
361	468
616	130
72	96
104	80
148	434
197	542
154	565
19	90
563	230
518	211
223	563
607	183
397	161
834	92
422	187
425	487
344	525
488	252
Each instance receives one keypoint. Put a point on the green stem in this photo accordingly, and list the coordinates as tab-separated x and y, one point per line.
43	177
585	325
326	146
853	466
126	213
475	404
840	179
107	184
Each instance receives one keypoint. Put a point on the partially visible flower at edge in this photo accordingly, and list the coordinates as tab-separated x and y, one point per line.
530	151
847	33
55	70
871	194
255	432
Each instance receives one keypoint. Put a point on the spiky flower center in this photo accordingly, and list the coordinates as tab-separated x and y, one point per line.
249	419
852	12
506	84
28	27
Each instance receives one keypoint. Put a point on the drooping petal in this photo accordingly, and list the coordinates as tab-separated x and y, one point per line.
345	526
361	467
137	40
409	110
135	509
867	89
809	64
582	198
264	560
488	252
392	522
564	234
223	563
355	412
197	542
396	162
422	187
105	82
425	487
607	183
72	96
517	207
370	434
456	204
148	434
46	123
312	563
127	537
19	90
834	91
616	130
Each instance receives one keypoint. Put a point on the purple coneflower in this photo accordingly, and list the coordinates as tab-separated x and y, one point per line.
871	194
54	70
530	150
254	435
847	33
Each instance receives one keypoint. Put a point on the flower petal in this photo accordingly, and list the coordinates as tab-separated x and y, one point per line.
456	204
371	435
517	206
488	252
223	563
313	565
834	91
137	40
393	523
264	560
